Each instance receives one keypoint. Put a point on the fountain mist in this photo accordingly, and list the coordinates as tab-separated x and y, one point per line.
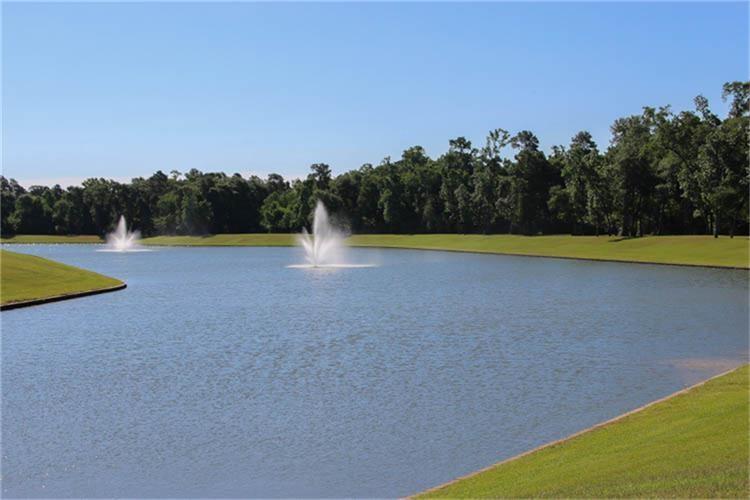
324	247
122	240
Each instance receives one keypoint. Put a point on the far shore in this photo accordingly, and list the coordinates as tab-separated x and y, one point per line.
703	251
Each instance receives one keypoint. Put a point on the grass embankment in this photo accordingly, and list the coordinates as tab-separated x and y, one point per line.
693	250
30	278
694	444
684	250
46	239
225	240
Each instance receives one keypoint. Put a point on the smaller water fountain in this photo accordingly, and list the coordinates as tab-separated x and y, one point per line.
122	240
324	247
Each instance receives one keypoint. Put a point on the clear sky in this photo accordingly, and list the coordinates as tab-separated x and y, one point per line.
121	90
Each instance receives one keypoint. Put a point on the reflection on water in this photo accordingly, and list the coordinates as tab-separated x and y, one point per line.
220	372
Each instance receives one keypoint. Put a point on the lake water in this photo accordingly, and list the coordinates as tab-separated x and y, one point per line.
219	372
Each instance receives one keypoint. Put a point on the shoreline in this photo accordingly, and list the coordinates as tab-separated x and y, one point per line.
541	256
565	439
419	248
57	298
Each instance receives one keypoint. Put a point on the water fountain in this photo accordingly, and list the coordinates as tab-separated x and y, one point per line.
324	247
122	240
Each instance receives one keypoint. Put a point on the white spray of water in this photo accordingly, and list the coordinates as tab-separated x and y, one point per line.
324	248
122	240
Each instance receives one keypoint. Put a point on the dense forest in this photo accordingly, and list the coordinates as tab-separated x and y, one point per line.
662	173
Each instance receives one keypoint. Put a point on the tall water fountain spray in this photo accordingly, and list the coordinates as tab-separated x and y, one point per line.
122	240
324	247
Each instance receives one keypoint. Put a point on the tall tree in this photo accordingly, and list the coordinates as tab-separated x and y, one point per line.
532	176
632	171
578	174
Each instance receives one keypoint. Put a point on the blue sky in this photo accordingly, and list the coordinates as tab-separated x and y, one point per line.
121	90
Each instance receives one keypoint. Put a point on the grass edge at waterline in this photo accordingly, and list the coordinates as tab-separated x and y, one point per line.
692	443
704	251
27	280
51	239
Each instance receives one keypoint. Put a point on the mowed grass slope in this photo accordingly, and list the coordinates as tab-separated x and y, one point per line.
692	445
225	240
686	250
51	238
694	250
27	277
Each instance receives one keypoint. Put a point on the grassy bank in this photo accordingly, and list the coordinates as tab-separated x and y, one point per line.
686	250
695	250
692	445
46	239
27	277
225	240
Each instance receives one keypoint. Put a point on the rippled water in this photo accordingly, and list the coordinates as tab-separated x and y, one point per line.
220	372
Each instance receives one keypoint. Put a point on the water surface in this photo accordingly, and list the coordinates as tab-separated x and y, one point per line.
220	372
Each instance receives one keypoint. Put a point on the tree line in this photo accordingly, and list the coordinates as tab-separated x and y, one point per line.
662	173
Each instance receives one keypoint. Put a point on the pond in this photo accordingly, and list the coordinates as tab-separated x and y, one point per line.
220	372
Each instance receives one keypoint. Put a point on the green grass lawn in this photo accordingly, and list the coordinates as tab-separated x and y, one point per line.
696	250
225	240
43	238
692	250
27	277
692	445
